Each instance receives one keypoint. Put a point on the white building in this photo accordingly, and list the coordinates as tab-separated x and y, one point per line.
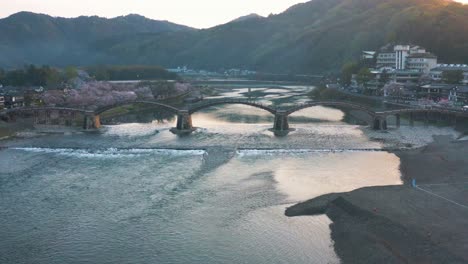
422	62
401	52
386	58
406	57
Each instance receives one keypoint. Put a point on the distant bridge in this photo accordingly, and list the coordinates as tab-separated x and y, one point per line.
91	118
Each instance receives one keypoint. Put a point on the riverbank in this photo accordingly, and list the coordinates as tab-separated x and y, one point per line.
404	224
8	130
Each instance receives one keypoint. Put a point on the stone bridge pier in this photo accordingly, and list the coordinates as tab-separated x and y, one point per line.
184	123
91	121
281	124
380	122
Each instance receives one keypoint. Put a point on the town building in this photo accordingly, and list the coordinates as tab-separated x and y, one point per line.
13	101
33	97
439	91
436	74
386	58
405	76
405	57
401	52
421	62
368	55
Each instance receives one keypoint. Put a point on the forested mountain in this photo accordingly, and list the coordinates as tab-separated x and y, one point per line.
41	39
314	37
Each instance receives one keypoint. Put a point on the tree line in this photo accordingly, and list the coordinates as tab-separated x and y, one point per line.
130	72
50	77
32	75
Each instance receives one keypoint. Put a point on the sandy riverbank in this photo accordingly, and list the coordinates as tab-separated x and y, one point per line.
403	224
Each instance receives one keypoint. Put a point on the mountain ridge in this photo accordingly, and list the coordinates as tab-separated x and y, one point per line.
313	37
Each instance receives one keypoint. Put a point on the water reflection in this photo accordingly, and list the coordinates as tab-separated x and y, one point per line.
317	113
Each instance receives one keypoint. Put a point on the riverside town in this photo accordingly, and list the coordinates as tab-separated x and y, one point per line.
408	74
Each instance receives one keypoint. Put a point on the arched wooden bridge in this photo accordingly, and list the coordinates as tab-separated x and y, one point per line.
184	114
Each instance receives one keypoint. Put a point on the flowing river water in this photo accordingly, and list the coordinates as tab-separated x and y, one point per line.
136	193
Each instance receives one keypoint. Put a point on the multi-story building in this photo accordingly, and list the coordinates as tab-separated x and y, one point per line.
405	57
422	62
386	58
406	76
401	52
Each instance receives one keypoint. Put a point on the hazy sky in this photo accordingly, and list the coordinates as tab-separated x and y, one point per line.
195	13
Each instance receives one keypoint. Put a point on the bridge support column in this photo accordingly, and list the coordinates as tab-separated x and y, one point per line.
454	120
411	119
184	123
91	122
439	118
47	120
88	122
281	125
36	117
97	121
380	123
376	125
398	120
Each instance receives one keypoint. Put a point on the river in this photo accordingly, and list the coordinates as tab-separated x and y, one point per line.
136	193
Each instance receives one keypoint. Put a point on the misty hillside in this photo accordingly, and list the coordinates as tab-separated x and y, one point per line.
313	37
41	39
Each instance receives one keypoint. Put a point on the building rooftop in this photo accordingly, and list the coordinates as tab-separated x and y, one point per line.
426	55
460	88
452	67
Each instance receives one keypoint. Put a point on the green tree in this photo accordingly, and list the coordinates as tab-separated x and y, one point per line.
2	76
70	73
15	78
364	75
347	71
452	77
53	78
384	77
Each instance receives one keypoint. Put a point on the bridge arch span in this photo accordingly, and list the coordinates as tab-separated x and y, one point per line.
45	108
333	104
208	104
170	108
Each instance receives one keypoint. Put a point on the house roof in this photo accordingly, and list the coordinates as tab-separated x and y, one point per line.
460	88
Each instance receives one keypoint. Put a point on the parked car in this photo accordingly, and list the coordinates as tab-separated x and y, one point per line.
465	108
